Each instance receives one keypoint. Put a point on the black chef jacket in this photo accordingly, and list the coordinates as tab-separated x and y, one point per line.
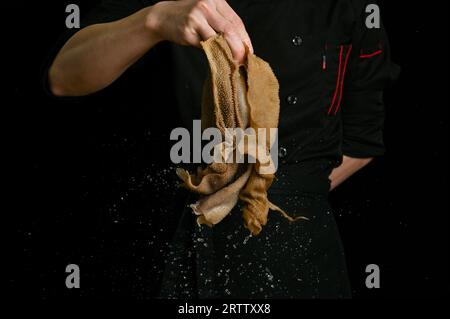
331	69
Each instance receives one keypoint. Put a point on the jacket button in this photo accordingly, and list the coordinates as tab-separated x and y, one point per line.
282	152
297	40
292	99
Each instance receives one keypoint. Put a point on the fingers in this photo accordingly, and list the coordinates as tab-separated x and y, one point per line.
195	27
229	14
221	18
220	24
205	31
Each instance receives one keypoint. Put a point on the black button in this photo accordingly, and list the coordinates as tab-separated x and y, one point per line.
292	99
282	152
297	40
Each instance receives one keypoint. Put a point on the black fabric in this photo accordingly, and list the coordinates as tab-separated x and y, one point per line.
308	134
163	91
303	259
362	105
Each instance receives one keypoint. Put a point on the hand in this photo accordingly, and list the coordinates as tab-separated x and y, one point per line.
187	22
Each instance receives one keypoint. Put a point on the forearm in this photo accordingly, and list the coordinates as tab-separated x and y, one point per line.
348	167
97	55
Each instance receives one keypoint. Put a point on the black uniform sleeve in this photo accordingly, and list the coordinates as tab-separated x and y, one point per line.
106	11
370	70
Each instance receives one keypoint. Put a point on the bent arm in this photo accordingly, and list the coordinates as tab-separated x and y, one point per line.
97	55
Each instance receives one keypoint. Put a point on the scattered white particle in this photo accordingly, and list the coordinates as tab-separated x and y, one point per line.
269	274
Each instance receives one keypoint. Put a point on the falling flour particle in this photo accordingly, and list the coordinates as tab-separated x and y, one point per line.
246	239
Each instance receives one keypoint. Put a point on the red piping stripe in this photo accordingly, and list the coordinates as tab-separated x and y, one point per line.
365	56
338	79
343	77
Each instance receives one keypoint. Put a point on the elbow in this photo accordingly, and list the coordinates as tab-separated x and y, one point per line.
57	90
64	84
55	84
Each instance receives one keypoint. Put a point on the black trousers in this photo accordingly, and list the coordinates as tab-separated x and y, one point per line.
302	259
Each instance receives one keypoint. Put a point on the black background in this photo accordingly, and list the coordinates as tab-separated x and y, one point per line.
68	178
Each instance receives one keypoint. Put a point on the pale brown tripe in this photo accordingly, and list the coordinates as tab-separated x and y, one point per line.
235	97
